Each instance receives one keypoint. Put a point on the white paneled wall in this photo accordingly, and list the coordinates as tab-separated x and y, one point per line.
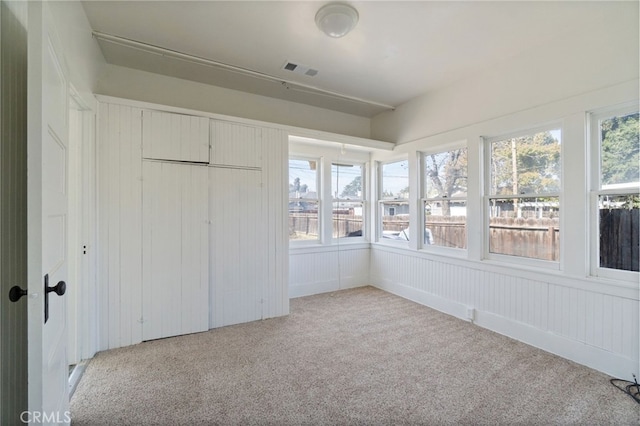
320	270
13	209
246	234
119	269
275	202
565	316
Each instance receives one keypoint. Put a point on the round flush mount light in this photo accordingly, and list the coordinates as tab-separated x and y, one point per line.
336	19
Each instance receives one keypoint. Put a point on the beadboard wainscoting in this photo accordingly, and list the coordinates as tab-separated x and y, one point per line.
314	270
575	318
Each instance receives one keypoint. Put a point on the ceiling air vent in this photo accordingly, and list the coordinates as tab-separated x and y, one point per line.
299	69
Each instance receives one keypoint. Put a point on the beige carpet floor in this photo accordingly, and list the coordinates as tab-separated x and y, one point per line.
354	357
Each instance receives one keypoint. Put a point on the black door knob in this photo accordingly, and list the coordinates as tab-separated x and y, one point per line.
58	289
15	293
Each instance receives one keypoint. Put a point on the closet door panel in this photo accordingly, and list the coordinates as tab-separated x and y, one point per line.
235	145
169	136
175	249
238	246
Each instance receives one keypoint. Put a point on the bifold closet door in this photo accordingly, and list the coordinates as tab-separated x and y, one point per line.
175	249
238	246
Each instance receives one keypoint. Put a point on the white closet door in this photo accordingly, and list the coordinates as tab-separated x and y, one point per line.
175	252
238	246
235	145
168	136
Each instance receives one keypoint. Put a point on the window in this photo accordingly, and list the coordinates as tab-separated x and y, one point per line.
616	195
304	203
394	201
348	201
444	198
524	195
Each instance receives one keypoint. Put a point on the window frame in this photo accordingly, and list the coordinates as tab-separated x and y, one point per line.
488	197
457	251
381	201
318	199
595	174
362	200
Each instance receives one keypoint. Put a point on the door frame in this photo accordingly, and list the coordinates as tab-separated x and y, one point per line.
82	303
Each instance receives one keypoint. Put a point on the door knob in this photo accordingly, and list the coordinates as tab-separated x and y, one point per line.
58	289
15	293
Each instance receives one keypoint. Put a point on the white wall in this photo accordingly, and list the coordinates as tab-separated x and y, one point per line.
83	58
144	86
601	56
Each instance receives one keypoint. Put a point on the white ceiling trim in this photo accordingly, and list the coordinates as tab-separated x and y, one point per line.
289	84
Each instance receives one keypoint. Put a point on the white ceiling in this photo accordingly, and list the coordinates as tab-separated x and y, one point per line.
398	50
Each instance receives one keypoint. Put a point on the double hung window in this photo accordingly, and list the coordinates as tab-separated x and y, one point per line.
304	202
444	198
615	197
347	191
523	201
393	202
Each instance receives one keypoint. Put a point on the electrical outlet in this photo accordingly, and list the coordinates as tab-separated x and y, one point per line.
471	314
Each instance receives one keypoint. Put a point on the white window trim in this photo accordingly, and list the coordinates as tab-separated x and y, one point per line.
455	251
487	197
594	141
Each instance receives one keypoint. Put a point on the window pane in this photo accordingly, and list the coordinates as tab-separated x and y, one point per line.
446	223
302	179
395	180
347	219
619	224
303	220
395	220
620	151
303	200
445	174
526	227
526	165
346	181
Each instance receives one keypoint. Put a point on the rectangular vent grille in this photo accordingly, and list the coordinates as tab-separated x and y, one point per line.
299	69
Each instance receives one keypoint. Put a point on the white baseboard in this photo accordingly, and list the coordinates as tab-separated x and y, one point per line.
301	290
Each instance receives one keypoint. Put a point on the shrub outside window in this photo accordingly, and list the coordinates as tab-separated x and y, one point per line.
444	198
616	198
347	191
524	195
304	203
394	201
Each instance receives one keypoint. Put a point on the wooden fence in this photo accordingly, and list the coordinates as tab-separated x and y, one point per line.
619	239
527	237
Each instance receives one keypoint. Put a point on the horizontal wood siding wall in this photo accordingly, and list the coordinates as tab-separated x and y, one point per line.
595	329
119	269
324	270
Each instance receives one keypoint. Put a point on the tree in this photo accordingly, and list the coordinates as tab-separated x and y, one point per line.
527	164
353	188
447	174
620	150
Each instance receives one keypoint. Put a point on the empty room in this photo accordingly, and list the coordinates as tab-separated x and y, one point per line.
317	212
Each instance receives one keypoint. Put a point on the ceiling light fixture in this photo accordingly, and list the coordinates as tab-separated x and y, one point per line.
336	19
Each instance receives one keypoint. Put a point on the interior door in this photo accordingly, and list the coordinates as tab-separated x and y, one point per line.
47	206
